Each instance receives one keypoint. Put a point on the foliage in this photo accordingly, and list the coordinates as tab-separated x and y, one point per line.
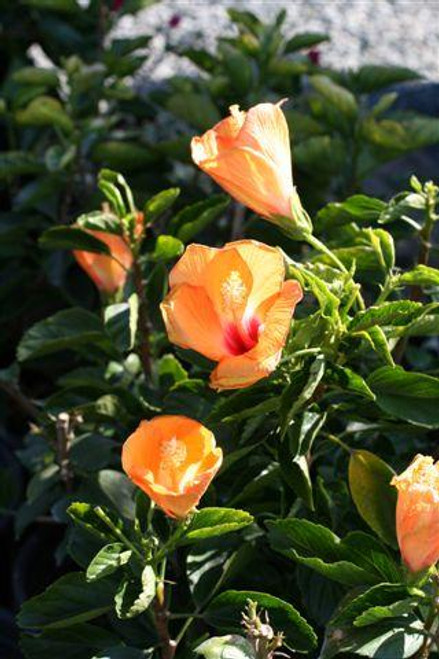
299	523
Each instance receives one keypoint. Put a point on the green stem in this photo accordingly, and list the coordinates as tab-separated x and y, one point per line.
323	249
100	513
336	440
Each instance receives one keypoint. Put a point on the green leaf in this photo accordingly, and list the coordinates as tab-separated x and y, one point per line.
388	640
346	379
91	518
383	594
119	490
225	612
301	388
33	75
339	98
372	77
407	395
68	329
65	6
121	322
358	208
123	156
160	203
18	163
211	522
238	68
77	642
378	342
195	109
193	219
422	275
231	645
134	596
296	474
304	40
378	613
100	221
400	312
69	601
72	238
167	248
374	497
45	111
107	560
317	547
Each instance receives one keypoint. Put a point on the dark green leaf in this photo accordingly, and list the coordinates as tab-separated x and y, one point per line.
226	609
231	645
210	522
134	596
400	312
45	111
409	396
375	498
305	40
121	322
340	98
67	329
107	560
72	238
69	601
160	203
317	547
76	642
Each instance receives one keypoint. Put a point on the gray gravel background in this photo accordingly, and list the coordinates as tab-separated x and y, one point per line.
400	32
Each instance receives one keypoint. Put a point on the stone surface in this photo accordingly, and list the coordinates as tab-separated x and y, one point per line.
399	32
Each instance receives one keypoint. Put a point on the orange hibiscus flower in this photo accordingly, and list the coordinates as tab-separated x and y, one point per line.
233	306
248	154
109	273
417	513
173	459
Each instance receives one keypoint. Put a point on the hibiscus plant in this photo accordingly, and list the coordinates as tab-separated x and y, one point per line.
230	400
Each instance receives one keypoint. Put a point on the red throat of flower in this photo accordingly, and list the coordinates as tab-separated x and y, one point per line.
242	337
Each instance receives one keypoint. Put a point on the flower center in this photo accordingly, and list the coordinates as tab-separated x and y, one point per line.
173	453
242	337
233	290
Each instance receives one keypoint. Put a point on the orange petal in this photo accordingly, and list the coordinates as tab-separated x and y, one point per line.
277	321
267	267
192	323
243	370
228	282
249	155
251	178
106	272
265	129
190	268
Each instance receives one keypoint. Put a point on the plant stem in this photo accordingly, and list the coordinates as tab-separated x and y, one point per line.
101	514
321	247
64	436
20	399
336	440
161	615
144	325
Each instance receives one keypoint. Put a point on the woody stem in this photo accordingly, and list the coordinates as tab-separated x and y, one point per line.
144	325
161	615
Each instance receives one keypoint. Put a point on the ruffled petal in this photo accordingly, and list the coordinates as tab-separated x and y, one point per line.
191	266
192	322
267	267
